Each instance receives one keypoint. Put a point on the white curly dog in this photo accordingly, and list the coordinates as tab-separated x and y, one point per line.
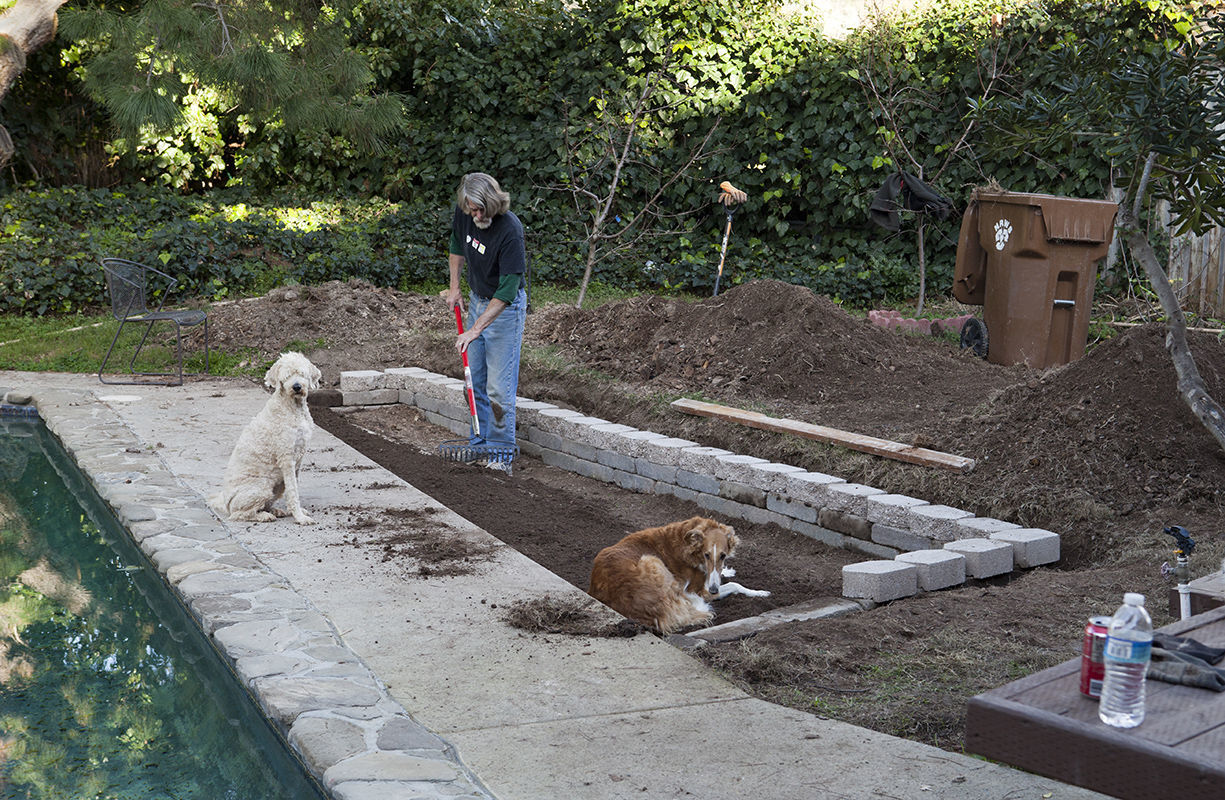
268	456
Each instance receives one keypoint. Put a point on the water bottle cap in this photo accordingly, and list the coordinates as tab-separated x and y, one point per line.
1133	599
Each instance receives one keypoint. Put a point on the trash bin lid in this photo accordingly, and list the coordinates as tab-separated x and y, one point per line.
1067	219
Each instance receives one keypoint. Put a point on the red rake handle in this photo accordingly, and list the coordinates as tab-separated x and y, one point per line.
476	425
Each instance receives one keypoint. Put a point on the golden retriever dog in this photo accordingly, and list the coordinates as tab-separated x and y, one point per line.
665	577
268	456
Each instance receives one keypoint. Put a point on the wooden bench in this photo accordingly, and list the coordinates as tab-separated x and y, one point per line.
1043	724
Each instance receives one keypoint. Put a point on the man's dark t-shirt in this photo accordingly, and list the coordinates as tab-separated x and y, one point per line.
491	253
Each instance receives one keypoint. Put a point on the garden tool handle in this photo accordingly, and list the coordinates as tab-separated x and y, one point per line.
459	323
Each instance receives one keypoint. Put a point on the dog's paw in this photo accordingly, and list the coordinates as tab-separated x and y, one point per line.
302	519
728	572
757	592
264	516
279	512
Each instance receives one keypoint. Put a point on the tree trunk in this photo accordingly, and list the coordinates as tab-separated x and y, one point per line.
591	259
24	28
1190	384
922	267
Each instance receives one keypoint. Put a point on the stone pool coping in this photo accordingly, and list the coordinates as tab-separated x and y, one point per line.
335	714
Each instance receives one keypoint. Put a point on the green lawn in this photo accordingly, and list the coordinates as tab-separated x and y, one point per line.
79	342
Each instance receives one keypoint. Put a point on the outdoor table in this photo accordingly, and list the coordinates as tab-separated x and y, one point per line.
1043	724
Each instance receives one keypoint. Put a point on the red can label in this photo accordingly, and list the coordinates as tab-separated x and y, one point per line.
1092	657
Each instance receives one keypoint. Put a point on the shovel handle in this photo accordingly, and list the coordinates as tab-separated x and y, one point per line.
476	425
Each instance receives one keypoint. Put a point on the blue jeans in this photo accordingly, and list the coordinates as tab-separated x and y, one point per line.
493	358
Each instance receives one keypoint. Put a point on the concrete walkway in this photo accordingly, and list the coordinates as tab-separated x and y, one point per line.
520	716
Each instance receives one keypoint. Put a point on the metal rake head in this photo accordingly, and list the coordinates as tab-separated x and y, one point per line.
465	452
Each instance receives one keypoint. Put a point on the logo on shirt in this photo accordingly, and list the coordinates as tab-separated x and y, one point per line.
476	244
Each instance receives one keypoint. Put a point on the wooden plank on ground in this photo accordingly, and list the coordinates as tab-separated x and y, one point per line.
853	441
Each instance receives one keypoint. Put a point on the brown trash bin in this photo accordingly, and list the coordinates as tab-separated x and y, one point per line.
1030	260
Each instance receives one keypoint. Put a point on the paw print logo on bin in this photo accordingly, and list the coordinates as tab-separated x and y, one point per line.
1003	230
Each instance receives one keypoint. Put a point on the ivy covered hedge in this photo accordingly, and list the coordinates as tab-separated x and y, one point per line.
223	244
809	126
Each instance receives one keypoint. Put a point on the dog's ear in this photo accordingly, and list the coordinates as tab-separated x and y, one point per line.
272	377
316	376
694	539
733	541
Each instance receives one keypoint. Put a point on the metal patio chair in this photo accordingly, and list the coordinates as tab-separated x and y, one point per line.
127	283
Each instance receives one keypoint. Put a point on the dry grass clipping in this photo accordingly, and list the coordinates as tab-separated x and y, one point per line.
570	616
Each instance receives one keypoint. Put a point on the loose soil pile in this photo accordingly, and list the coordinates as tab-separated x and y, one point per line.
1102	451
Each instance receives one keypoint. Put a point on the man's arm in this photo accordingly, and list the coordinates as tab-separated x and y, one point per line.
456	265
482	322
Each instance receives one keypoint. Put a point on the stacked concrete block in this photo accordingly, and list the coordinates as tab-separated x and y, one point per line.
937	522
823	507
937	569
981	527
895	510
880	581
893	522
634	443
1031	547
702	459
791	507
851	498
739	468
771	476
365	388
984	558
846	510
898	539
402	379
812	488
666	451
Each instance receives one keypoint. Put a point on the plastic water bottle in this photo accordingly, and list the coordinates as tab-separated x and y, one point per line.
1129	644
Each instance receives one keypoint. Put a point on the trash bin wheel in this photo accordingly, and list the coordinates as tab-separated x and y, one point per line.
974	336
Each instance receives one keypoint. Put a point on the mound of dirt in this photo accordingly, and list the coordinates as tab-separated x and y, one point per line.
777	345
1103	451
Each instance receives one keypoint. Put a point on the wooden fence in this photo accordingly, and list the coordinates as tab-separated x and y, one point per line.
1197	271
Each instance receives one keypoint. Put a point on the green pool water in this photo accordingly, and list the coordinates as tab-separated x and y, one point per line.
107	688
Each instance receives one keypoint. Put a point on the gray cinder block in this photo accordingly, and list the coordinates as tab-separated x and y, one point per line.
362	380
666	451
736	467
984	558
370	397
1031	547
851	498
809	487
880	580
401	377
900	538
891	509
980	527
937	569
771	475
700	458
937	522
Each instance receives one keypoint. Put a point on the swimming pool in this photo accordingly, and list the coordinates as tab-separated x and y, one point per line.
107	687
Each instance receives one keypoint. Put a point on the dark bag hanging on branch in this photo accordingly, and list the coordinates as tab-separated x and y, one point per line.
904	192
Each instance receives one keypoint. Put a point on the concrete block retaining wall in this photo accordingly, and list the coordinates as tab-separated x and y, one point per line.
824	507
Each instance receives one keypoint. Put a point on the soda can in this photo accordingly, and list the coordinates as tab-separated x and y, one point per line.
1092	657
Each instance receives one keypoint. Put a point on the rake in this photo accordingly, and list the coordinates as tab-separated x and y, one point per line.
729	196
463	450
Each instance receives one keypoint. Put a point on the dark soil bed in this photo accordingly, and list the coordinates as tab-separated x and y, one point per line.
1102	451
